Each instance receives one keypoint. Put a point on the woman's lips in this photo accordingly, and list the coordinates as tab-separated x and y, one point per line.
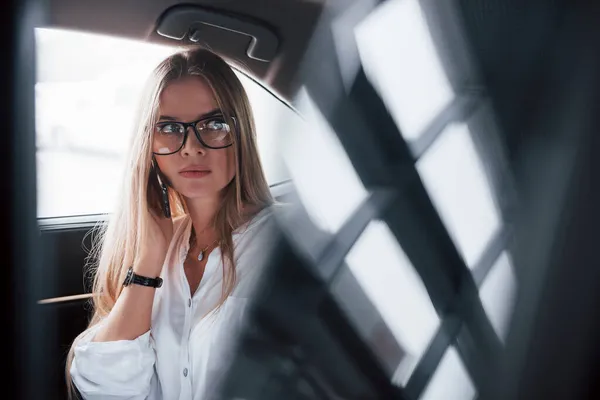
194	174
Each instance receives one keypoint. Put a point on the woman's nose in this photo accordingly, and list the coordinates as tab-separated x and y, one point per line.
192	144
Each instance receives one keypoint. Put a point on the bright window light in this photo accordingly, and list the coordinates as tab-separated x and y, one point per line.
394	287
498	294
87	94
453	175
400	60
327	183
450	381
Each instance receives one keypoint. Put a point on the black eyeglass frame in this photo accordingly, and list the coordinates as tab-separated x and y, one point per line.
186	127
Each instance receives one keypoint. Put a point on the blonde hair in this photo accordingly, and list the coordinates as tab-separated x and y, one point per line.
117	244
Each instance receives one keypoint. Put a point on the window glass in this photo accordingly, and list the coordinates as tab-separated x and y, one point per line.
390	281
87	93
454	177
400	60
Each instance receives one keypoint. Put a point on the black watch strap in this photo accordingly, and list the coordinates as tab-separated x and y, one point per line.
134	279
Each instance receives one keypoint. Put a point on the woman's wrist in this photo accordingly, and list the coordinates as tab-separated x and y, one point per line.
148	266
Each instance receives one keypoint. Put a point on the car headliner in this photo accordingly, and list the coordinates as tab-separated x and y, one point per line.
292	20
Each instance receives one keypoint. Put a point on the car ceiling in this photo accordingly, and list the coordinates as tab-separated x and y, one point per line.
292	20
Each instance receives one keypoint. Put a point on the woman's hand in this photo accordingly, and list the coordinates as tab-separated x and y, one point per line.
154	245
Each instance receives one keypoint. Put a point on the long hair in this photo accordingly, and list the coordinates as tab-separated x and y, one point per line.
118	243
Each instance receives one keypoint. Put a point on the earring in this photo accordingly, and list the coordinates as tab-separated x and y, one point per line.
165	196
165	200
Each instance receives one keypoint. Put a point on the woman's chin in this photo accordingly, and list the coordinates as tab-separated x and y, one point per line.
199	194
198	190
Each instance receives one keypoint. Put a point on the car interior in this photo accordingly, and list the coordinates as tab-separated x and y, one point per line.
438	162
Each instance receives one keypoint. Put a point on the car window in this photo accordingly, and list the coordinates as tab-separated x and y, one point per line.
87	92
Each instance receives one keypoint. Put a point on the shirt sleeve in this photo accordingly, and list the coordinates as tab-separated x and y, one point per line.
116	370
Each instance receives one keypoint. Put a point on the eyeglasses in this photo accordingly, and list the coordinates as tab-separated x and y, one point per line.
212	132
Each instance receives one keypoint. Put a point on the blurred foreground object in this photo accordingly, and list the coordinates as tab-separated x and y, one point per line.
440	246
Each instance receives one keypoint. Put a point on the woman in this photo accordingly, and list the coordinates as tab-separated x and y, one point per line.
169	339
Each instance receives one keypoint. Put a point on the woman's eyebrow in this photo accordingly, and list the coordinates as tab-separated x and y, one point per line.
216	111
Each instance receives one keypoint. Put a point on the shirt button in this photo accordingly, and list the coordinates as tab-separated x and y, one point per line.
185	371
189	302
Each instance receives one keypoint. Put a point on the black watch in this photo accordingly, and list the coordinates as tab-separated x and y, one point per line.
133	278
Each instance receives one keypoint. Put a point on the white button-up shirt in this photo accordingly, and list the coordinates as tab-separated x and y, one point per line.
188	347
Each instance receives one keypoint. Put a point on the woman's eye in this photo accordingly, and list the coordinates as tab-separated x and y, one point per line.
169	128
217	125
